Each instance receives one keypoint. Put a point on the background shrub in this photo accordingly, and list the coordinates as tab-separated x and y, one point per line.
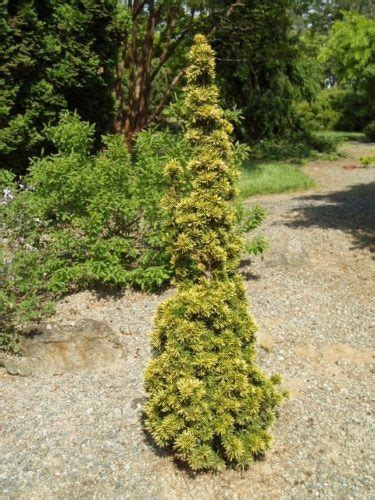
323	112
80	220
55	55
98	217
370	131
296	147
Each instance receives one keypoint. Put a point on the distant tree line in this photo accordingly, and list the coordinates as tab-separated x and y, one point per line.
119	64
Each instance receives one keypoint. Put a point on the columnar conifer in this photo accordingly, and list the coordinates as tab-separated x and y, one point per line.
207	400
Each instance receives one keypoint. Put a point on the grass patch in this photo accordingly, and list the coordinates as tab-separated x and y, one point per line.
272	177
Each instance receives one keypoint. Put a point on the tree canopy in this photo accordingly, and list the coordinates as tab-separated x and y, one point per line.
55	55
120	64
350	49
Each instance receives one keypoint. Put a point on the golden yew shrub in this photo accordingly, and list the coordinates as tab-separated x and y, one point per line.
207	400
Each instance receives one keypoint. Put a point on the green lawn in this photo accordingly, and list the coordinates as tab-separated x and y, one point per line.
272	177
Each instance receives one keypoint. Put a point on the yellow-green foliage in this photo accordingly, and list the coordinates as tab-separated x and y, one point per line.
207	400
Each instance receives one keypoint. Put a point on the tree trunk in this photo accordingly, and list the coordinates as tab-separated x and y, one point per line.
136	57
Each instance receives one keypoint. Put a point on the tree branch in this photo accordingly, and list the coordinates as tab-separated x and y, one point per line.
169	50
139	9
177	78
164	100
237	3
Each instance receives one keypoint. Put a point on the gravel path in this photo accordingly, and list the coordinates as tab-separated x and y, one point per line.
79	435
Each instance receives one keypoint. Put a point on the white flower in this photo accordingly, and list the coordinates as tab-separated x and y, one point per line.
7	196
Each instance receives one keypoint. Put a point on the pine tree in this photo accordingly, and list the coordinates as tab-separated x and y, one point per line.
207	400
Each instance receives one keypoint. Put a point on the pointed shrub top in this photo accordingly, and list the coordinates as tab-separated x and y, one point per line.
206	244
201	62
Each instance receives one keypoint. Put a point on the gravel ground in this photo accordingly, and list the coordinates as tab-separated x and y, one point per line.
79	435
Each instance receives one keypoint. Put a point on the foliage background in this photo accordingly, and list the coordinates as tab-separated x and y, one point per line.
55	55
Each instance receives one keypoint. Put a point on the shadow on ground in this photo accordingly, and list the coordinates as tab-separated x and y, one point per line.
351	211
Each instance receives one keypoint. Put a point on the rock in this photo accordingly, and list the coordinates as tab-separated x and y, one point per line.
16	368
13	366
288	252
59	348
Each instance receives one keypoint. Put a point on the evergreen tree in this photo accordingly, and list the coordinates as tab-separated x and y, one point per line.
262	68
55	55
207	400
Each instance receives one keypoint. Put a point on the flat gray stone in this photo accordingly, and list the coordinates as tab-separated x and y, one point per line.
58	348
17	368
288	252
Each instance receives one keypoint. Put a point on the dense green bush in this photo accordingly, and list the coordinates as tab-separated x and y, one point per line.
337	108
207	400
264	69
370	131
322	113
356	107
81	220
101	212
349	57
55	55
346	56
296	147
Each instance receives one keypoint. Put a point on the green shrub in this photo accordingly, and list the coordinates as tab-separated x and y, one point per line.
336	108
348	55
322	113
55	56
356	106
367	161
81	220
320	143
7	181
370	131
296	147
340	136
101	218
206	399
250	219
